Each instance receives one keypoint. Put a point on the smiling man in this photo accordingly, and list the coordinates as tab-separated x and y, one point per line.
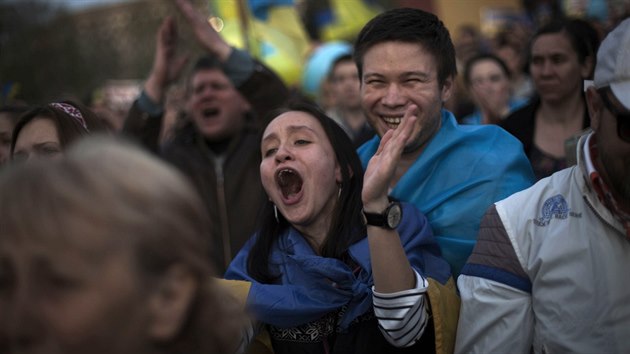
451	173
228	95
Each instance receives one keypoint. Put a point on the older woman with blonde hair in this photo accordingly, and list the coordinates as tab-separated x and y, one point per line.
105	251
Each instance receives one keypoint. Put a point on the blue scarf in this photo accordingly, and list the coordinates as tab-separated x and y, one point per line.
311	286
460	173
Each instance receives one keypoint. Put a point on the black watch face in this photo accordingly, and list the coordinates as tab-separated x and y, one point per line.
394	215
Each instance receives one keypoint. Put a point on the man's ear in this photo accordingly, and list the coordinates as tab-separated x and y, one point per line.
587	67
595	105
447	89
170	302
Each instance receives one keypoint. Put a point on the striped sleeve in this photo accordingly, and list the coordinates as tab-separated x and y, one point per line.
402	316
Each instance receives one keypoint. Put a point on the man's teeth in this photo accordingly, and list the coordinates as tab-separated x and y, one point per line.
392	120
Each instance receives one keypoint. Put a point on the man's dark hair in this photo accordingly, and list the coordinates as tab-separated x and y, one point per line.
339	60
409	26
206	62
13	112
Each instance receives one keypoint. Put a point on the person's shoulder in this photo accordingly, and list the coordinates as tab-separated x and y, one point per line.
550	193
522	113
490	136
472	119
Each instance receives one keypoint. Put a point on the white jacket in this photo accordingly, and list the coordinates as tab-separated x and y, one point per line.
550	271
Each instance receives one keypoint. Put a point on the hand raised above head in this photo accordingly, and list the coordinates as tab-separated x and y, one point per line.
167	65
207	37
382	165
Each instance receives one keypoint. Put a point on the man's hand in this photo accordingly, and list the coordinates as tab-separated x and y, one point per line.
207	37
167	65
382	165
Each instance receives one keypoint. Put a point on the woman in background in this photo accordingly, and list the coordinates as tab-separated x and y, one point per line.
487	78
562	56
46	131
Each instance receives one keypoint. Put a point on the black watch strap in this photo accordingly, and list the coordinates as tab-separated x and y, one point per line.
390	217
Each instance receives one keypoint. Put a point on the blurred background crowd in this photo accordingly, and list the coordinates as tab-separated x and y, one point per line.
97	52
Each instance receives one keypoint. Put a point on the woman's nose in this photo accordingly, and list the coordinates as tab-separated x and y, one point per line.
283	154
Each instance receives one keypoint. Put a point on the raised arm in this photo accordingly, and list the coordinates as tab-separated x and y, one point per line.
262	88
390	266
399	299
167	64
144	120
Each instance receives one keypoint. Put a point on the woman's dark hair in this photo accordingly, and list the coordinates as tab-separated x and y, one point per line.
346	227
69	128
581	34
407	25
486	56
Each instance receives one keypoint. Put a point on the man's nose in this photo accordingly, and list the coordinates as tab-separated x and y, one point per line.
393	96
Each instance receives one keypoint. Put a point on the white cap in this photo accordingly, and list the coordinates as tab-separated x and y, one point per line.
613	63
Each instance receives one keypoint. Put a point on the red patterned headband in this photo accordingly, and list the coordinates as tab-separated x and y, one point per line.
72	111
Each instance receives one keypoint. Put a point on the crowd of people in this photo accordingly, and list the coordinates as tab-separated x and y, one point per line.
254	218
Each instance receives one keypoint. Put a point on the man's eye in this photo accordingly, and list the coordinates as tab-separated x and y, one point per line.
374	82
495	78
302	142
19	156
50	151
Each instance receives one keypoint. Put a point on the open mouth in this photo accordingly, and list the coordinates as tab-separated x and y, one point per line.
210	112
290	183
392	122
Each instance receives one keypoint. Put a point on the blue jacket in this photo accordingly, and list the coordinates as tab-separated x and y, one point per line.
460	173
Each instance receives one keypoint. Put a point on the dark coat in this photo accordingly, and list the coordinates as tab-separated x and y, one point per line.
228	183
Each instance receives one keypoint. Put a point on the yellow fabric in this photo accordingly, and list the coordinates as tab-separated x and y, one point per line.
444	304
261	344
240	289
443	300
281	42
350	17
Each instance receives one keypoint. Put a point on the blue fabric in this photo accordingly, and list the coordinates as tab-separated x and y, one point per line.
260	8
305	290
475	117
499	275
461	172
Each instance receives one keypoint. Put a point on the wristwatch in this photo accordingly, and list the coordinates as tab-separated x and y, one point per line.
389	218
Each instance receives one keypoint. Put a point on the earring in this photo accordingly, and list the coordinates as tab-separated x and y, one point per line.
339	192
275	213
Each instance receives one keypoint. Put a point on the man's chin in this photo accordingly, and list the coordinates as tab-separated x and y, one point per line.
213	132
